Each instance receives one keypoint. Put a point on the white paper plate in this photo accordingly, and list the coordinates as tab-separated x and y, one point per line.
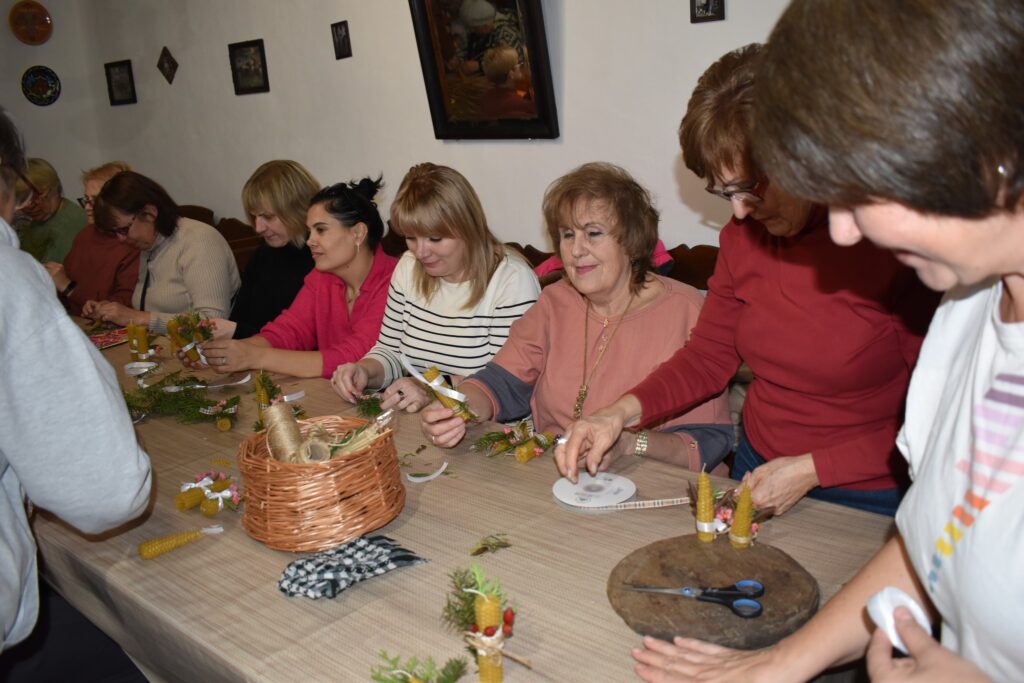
591	492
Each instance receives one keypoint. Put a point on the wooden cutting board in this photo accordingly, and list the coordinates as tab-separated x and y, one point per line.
790	597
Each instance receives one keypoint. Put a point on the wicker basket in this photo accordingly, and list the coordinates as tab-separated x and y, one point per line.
314	506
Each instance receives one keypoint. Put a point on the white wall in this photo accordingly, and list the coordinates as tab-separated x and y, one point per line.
622	71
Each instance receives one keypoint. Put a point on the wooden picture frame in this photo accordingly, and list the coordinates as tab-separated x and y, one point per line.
120	82
706	10
485	69
249	67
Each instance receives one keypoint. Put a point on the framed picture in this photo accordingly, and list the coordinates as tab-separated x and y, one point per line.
485	67
248	67
706	10
120	82
342	41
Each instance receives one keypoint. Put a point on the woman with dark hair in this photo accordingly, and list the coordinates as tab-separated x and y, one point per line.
609	304
184	266
916	144
831	334
453	297
336	316
276	198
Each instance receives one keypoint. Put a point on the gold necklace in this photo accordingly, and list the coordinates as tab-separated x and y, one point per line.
581	396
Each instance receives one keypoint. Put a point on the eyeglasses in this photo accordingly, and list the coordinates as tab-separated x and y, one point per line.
123	230
86	201
752	193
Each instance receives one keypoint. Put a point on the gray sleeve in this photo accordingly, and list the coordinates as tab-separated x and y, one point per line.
511	393
715	441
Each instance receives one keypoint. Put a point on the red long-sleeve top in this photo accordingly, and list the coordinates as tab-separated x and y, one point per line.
103	268
318	319
831	334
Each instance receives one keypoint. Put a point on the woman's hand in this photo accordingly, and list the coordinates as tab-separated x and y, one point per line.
686	659
231	355
111	312
56	271
349	381
587	440
441	425
781	482
928	662
406	394
223	328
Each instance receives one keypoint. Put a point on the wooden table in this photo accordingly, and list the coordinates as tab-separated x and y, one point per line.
212	612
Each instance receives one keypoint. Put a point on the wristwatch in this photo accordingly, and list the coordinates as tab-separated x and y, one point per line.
640	449
66	292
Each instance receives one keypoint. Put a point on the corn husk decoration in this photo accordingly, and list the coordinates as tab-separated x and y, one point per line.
155	547
286	443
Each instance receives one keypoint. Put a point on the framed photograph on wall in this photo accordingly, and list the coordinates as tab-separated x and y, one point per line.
706	10
249	67
342	40
120	82
485	67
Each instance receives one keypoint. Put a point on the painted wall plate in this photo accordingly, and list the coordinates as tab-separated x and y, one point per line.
40	85
30	22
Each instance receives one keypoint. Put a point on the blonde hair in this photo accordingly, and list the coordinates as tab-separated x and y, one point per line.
283	187
105	171
44	176
438	201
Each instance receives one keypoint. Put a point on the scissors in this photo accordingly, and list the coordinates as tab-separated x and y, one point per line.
739	597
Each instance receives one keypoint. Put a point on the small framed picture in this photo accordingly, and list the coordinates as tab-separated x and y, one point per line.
706	10
249	67
120	82
342	42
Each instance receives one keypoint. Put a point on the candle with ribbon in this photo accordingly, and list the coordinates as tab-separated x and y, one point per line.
188	331
705	509
443	392
741	534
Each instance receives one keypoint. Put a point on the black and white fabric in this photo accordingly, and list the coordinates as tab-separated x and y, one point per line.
329	572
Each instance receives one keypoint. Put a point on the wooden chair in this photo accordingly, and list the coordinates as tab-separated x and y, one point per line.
196	213
693	265
393	243
240	237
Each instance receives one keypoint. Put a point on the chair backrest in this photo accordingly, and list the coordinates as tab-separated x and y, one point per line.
693	265
196	213
393	243
241	238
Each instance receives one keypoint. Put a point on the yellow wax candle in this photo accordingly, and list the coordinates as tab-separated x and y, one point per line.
740	533
705	509
133	342
432	373
487	609
174	332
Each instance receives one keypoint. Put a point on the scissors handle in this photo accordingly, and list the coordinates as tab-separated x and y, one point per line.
748	608
744	588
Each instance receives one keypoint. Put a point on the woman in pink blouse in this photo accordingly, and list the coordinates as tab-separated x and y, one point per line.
592	334
336	316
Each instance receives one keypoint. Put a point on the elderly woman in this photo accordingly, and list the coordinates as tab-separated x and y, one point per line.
917	145
48	223
610	305
186	265
276	198
336	316
831	334
453	296
98	267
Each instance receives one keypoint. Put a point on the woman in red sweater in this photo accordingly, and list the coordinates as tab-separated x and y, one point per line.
831	333
336	316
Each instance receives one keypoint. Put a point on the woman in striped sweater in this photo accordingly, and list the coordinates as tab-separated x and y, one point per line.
453	295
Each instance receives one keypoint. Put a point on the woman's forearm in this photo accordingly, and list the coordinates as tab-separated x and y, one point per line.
286	362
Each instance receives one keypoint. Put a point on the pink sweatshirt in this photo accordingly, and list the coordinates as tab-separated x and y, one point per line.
318	319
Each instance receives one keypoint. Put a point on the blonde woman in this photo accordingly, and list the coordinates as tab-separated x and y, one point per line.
453	296
275	198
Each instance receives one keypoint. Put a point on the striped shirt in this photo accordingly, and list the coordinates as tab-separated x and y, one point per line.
441	331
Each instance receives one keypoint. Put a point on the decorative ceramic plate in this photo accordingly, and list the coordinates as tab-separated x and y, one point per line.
30	22
40	85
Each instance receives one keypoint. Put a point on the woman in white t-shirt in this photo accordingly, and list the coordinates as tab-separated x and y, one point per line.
918	145
453	296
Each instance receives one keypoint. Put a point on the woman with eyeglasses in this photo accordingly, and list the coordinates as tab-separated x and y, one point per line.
831	334
98	267
185	265
47	222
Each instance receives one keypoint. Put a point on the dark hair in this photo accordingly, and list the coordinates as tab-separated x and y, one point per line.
353	203
12	151
918	102
716	130
130	192
636	219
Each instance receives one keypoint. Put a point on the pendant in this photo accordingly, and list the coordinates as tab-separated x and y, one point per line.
577	410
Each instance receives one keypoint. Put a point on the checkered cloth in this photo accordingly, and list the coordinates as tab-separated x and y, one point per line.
327	573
